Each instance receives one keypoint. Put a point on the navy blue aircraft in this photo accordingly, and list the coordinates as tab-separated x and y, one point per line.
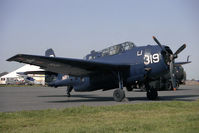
114	67
163	83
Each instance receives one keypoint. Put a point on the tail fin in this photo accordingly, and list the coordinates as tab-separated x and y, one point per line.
50	53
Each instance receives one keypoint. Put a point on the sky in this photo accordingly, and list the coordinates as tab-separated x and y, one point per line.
75	27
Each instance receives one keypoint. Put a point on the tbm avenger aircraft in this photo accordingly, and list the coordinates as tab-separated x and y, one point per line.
115	67
163	83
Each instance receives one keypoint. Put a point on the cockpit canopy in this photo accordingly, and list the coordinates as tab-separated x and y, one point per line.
113	50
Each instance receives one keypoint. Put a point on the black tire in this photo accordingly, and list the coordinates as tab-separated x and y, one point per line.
68	90
152	94
118	95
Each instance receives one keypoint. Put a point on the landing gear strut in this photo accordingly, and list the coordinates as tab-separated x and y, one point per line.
119	93
68	90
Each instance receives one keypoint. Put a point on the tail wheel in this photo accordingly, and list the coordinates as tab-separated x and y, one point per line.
68	90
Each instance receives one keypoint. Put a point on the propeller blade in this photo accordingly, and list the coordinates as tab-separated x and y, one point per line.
156	40
180	49
173	81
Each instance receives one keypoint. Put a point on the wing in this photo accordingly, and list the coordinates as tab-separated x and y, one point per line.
75	67
181	63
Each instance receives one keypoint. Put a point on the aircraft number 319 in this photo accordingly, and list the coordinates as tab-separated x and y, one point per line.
155	58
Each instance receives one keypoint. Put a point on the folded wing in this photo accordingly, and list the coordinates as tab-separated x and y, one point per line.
74	67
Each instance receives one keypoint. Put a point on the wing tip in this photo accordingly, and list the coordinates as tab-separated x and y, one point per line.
14	57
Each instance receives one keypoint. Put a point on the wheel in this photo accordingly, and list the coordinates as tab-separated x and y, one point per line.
152	94
118	95
68	90
129	88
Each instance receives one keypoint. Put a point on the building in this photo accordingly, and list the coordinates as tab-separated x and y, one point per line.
17	76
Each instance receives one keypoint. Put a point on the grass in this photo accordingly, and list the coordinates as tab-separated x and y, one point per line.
156	117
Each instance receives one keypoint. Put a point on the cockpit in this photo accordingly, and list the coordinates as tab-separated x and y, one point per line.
113	50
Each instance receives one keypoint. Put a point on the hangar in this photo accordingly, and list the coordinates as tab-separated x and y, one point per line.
17	76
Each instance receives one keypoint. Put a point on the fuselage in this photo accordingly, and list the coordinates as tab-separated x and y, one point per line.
145	60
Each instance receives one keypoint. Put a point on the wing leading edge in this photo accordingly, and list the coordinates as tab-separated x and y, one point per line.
75	67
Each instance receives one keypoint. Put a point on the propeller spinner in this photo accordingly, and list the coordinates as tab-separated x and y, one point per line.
171	62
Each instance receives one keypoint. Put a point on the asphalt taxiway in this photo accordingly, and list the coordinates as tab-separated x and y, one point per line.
37	98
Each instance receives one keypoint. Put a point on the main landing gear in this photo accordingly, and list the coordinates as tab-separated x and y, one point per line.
151	90
152	93
119	93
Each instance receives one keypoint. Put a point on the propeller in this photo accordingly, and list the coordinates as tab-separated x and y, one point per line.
156	40
172	57
180	49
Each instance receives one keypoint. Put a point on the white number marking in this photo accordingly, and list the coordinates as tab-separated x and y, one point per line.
155	58
146	59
